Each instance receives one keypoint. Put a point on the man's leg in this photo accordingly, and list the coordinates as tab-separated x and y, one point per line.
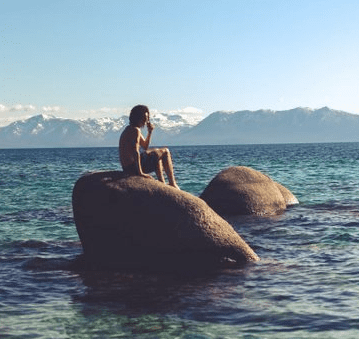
168	166
151	162
165	161
159	171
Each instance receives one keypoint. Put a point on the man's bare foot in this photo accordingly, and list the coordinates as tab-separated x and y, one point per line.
175	186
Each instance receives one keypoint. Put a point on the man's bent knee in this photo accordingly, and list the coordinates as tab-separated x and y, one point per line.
166	152
162	152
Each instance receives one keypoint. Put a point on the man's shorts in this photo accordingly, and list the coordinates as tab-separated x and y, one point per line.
149	162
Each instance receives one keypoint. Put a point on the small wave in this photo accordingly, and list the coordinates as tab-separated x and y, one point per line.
40	255
342	238
62	215
42	244
352	224
31	244
341	205
41	263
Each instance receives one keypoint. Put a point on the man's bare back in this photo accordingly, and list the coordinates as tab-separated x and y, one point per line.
127	145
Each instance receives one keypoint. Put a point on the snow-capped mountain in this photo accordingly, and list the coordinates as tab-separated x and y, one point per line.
245	127
49	131
299	125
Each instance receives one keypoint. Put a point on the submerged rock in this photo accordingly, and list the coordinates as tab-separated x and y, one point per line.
134	221
243	190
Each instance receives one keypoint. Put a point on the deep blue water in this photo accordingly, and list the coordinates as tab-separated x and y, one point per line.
305	286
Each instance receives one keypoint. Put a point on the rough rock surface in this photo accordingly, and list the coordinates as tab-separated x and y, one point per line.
243	190
136	221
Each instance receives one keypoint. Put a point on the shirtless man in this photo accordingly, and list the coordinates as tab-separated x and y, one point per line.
135	156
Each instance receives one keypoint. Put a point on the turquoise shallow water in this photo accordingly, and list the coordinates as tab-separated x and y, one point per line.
306	285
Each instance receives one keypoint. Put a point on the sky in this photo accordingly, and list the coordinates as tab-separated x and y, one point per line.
92	58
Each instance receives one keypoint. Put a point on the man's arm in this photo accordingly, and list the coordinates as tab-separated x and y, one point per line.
137	154
146	142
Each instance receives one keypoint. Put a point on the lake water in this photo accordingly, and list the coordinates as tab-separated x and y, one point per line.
305	286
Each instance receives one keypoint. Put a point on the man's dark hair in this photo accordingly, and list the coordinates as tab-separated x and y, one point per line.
137	114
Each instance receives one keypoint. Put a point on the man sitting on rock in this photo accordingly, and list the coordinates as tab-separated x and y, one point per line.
135	156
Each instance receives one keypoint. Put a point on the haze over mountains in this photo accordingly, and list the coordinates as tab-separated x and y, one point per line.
299	125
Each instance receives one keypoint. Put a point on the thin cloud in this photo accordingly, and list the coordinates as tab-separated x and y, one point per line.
187	110
21	108
104	112
108	109
113	110
50	109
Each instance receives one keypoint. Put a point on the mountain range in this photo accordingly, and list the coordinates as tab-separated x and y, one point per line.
299	125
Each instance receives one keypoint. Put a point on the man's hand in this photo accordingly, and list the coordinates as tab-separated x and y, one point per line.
150	127
147	176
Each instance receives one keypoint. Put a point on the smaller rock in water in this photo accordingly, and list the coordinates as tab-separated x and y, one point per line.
243	190
289	198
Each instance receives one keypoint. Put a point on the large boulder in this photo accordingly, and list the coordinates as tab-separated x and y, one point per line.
243	190
134	221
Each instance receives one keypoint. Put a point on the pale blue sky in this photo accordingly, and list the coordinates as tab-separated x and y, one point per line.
92	57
